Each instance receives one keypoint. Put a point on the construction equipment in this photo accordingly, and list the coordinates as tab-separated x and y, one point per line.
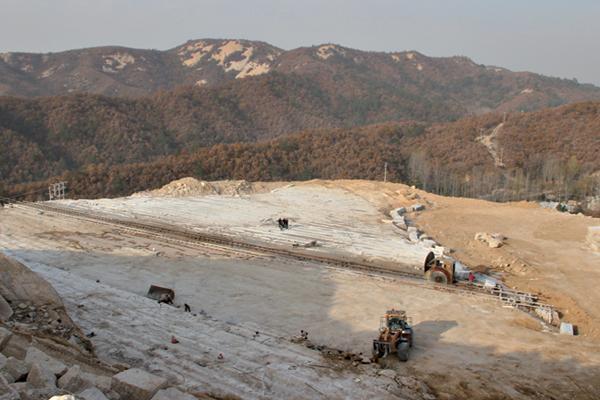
395	335
439	269
160	293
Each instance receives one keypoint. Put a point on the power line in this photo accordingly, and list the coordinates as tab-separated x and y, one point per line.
22	194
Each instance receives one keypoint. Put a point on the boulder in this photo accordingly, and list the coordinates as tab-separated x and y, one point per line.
92	393
41	378
413	234
100	381
15	370
72	380
417	207
428	243
5	336
397	212
7	392
6	310
494	240
75	380
172	394
36	356
136	384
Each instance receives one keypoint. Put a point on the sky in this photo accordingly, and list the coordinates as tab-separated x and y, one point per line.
554	37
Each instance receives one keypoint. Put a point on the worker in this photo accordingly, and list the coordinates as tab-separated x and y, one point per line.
186	307
471	277
280	223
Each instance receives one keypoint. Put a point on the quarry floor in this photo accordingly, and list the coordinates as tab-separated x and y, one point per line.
464	347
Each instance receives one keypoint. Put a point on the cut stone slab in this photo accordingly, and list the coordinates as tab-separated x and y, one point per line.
417	207
92	393
75	380
99	381
172	394
15	370
413	234
6	310
136	384
6	391
72	380
36	356
567	329
5	336
397	212
41	378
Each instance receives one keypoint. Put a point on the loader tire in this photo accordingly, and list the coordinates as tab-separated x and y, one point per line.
438	277
403	349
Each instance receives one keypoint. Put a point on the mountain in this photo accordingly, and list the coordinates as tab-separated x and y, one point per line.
363	81
553	151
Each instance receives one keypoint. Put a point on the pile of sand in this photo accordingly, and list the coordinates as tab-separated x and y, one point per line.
194	187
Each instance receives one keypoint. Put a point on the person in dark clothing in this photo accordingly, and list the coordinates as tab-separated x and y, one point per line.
186	307
280	223
286	223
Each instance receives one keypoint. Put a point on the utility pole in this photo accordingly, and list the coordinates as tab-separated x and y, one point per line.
56	191
385	172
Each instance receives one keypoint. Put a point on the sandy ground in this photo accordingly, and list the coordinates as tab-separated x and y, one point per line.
546	251
464	348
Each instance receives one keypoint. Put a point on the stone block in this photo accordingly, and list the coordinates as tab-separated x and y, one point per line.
15	370
5	336
136	384
72	380
41	378
567	329
7	392
172	394
36	356
417	207
75	380
6	310
92	393
99	381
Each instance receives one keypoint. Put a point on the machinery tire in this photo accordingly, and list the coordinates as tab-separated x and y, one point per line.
438	276
379	353
403	349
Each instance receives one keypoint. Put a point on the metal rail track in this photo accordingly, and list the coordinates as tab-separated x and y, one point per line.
170	232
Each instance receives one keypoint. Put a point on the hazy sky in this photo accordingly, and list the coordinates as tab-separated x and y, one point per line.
558	38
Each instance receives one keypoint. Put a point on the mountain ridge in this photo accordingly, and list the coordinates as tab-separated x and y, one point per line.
126	72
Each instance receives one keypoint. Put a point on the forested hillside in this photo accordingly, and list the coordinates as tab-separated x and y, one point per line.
540	156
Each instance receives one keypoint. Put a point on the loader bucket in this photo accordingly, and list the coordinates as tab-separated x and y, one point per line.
156	292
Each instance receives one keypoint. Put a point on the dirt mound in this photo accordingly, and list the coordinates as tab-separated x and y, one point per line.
193	187
182	187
